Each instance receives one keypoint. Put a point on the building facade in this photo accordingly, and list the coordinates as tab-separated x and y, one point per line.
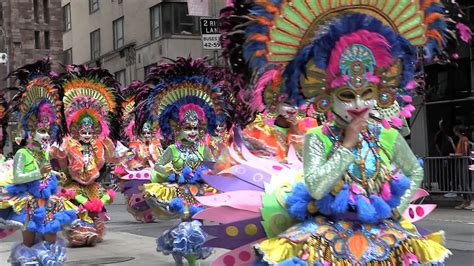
449	97
130	37
29	30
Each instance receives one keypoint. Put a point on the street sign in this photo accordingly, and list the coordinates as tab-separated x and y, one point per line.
3	58
210	34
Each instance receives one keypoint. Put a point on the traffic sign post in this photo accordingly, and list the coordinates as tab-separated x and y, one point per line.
210	34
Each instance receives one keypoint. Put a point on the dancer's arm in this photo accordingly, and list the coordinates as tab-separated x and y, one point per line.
407	162
321	174
163	166
20	176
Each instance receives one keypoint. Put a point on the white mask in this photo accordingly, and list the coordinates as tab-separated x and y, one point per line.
86	135
42	137
349	103
287	111
189	133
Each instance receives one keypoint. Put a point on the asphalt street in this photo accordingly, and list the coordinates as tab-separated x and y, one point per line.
129	242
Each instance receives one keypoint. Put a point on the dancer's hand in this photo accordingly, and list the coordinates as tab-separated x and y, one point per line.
45	169
351	137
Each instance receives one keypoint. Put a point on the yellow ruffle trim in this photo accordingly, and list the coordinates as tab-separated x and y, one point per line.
159	191
276	250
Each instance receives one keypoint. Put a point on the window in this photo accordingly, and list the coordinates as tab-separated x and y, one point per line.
93	6
67	57
120	77
46	40
118	33
172	18
46	11
67	17
155	21
37	40
95	44
149	68
35	11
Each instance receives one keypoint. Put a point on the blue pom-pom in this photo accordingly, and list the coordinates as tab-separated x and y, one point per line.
365	210
324	204
394	201
400	186
195	209
172	178
181	179
176	205
297	202
341	202
381	207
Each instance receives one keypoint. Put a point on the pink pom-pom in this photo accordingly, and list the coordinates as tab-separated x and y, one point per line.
405	113
385	124
410	107
111	194
94	205
465	32
407	98
330	116
411	85
386	192
67	193
396	121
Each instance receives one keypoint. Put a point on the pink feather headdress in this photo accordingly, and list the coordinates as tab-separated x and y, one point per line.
183	111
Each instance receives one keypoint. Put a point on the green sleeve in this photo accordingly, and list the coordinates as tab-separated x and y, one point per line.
160	172
25	169
407	163
321	173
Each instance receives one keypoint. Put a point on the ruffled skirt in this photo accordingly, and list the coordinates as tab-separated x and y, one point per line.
90	228
323	241
34	207
42	253
185	239
170	200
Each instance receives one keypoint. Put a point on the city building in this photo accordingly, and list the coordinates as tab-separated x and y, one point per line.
449	96
29	30
130	37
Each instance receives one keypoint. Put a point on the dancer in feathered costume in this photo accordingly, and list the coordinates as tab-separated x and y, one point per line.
271	137
186	97
146	148
90	104
29	199
358	175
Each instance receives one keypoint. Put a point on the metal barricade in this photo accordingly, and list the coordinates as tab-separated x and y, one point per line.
447	174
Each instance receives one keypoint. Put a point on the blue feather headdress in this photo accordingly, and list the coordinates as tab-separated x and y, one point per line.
38	99
299	38
186	84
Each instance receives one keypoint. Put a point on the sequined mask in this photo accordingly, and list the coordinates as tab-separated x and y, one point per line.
86	130
356	96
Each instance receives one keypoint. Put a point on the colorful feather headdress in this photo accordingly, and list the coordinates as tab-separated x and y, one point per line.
174	92
130	110
90	96
307	48
38	99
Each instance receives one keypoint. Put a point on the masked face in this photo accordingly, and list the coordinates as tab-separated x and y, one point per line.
42	136
189	133
86	135
146	132
287	111
220	129
349	103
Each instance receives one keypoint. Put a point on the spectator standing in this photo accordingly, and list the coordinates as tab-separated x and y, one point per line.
463	149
